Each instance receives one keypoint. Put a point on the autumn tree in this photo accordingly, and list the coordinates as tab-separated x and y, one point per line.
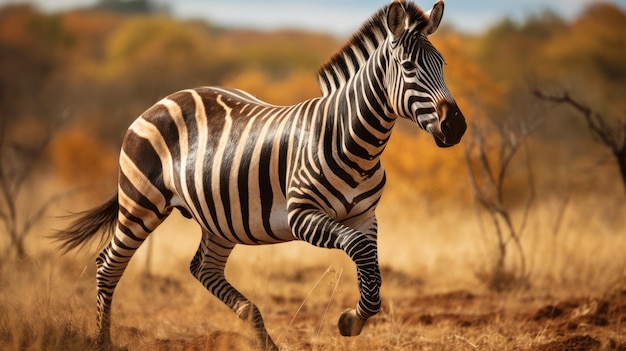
130	7
32	51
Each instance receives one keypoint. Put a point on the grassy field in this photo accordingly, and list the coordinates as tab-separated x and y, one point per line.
434	295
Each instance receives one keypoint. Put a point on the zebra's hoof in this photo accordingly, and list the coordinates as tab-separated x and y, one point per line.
350	324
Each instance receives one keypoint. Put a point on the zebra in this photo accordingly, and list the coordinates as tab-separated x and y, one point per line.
253	173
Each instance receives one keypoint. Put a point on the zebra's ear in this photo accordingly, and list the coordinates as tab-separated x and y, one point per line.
435	18
396	19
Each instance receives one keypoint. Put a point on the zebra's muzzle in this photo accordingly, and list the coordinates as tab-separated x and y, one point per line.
450	127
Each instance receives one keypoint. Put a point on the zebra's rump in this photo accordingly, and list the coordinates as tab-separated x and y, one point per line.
214	154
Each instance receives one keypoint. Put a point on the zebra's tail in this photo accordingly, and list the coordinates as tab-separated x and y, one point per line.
86	224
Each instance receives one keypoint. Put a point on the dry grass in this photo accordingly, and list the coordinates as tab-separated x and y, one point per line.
433	296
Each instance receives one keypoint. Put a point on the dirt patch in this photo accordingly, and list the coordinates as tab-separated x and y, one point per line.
449	300
216	341
464	321
574	314
575	343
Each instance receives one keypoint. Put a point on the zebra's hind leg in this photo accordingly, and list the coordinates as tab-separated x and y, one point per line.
131	231
208	267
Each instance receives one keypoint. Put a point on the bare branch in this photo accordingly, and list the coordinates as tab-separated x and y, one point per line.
613	136
595	121
531	192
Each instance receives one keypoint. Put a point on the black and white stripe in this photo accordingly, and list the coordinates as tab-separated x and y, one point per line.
253	173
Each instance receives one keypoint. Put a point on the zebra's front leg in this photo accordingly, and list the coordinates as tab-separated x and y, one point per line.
322	231
208	267
364	252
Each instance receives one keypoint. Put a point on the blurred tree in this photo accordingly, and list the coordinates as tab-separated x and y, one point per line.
278	53
588	58
585	66
90	31
141	60
610	132
513	52
585	55
488	174
20	154
33	47
131	7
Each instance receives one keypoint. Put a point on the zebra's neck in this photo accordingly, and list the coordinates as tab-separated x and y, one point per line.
362	116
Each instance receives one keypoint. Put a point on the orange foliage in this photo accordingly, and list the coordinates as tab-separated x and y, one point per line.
82	159
161	43
13	30
413	161
94	29
474	90
296	87
277	52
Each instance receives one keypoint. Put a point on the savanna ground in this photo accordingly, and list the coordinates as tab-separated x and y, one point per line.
434	268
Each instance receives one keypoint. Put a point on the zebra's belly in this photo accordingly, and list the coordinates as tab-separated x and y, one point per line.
259	225
250	223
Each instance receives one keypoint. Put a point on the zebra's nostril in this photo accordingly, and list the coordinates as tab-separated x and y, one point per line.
445	127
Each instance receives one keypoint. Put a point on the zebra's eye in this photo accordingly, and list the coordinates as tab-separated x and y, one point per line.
409	65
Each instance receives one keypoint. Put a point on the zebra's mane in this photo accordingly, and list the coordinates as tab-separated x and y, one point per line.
349	59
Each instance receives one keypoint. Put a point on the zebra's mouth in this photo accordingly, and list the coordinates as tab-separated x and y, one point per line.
440	139
431	124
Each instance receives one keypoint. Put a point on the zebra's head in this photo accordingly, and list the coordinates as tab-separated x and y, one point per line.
415	84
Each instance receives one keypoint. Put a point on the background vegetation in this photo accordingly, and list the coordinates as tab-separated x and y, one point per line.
530	207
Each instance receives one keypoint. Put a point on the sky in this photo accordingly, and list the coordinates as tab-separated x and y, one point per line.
341	17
